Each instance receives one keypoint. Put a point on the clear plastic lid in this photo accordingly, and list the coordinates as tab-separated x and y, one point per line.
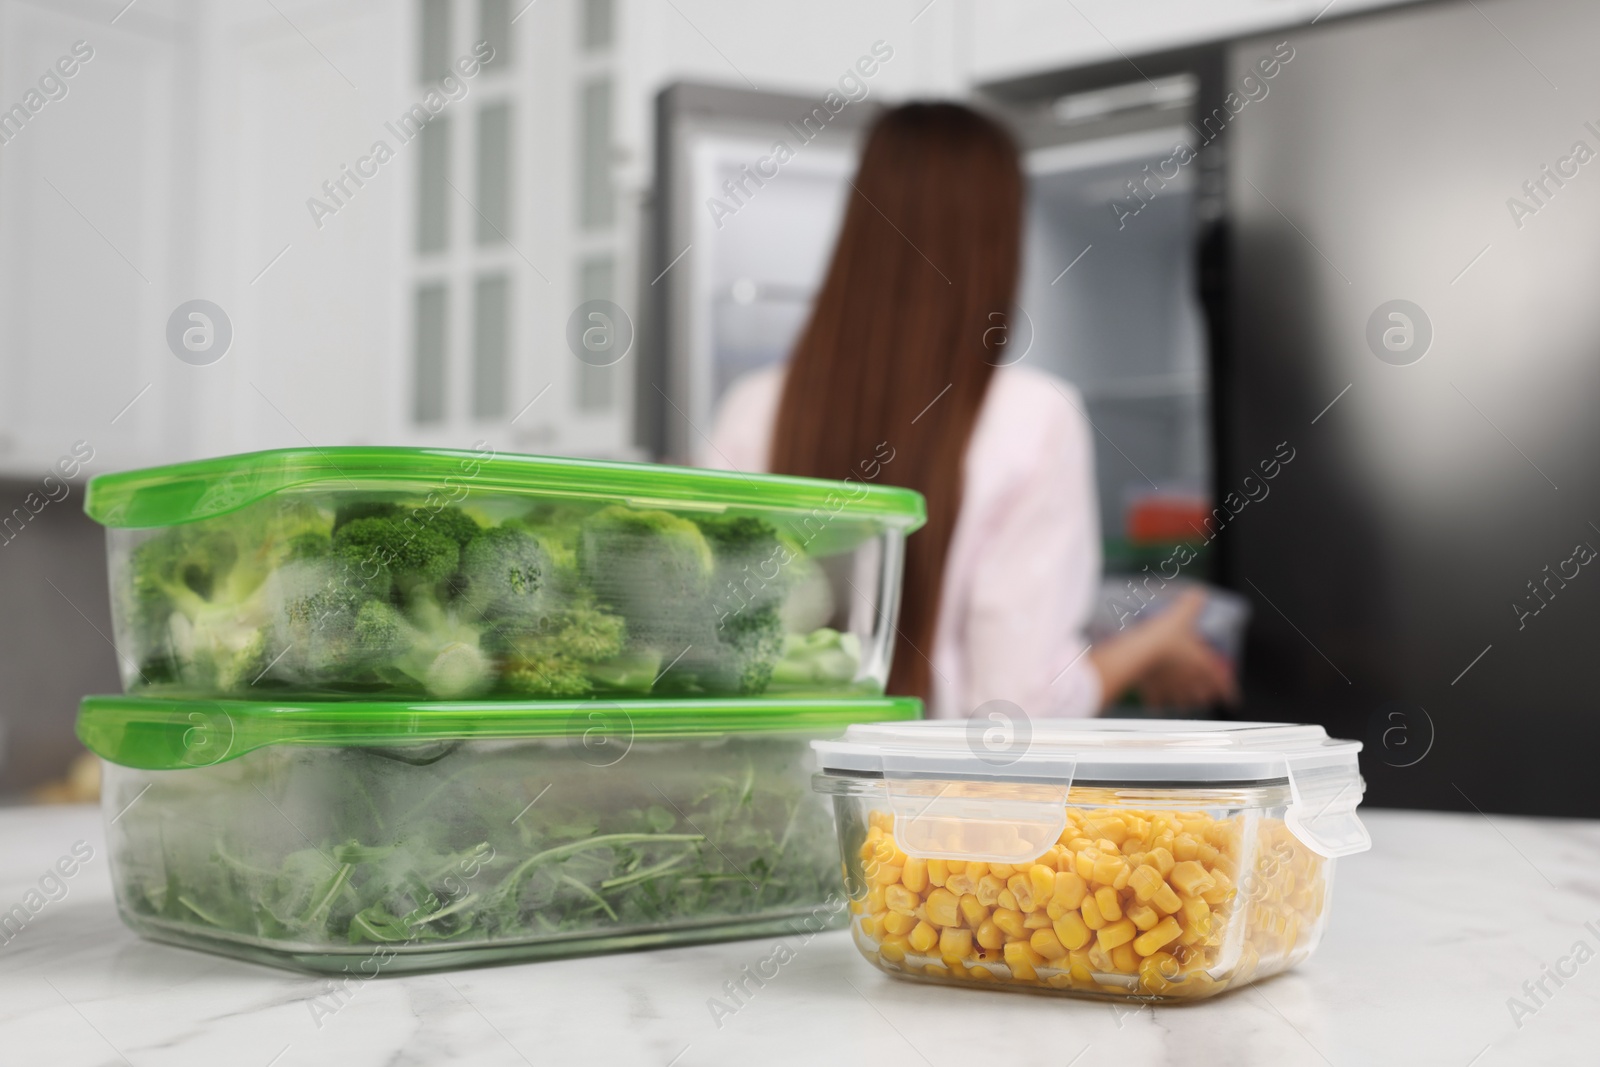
1032	765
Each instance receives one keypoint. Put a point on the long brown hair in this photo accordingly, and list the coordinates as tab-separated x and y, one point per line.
902	341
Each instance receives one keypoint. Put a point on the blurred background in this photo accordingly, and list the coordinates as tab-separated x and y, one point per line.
1349	243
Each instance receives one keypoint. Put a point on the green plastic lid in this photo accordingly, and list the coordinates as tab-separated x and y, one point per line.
157	734
185	492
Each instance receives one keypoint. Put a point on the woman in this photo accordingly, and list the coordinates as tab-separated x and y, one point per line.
901	358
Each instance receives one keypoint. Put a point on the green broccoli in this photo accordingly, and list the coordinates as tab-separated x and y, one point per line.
444	652
452	522
751	563
391	550
197	600
504	574
563	655
652	568
741	656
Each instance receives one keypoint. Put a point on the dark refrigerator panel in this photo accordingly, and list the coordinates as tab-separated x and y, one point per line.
1413	233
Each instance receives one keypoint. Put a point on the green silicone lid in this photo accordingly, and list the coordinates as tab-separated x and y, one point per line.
157	734
185	492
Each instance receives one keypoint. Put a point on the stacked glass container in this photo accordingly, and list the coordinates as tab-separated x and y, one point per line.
395	709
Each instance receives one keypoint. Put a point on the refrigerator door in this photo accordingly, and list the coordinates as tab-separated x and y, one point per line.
1422	570
743	232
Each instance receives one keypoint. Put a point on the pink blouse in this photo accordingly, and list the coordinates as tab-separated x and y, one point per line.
1024	560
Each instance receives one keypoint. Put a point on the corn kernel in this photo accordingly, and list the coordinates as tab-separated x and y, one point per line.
1143	915
894	949
885	874
980	974
936	970
1144	882
1151	941
1109	904
1008	899
988	891
990	936
924	937
972	912
942	908
1071	931
955	944
1124	960
1118	933
1023	960
1043	881
1069	891
955	866
914	876
875	902
960	883
1035	920
1120	882
1189	878
1185	848
938	871
1021	887
1197	915
1166	900
1156	972
1107	868
900	899
977	869
1083	862
1161	859
1002	871
872	926
1046	944
1010	922
898	923
1090	910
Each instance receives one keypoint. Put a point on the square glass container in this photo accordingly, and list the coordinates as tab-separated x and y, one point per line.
1123	859
390	837
406	573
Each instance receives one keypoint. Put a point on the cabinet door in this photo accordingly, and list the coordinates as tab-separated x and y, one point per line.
90	220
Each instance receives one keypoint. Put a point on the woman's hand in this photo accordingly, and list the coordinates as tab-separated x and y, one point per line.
1166	660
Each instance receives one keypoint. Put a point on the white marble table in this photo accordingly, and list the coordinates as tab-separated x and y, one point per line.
1431	933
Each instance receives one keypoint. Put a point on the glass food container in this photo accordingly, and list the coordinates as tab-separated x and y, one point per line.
1125	859
369	838
433	574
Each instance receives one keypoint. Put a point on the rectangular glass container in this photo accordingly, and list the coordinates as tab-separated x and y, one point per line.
403	573
387	837
1121	859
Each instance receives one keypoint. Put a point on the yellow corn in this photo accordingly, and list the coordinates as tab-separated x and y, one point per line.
1069	891
1189	878
976	869
1161	859
1047	944
988	891
1009	921
898	923
1023	960
941	908
1163	934
1090	910
914	875
990	936
1124	960
885	874
1021	887
924	937
894	948
1071	930
972	912
900	899
955	944
1166	900
1120	932
1109	903
1035	920
1143	915
938	871
1008	899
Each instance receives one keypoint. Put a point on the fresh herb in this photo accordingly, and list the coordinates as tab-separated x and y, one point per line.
306	847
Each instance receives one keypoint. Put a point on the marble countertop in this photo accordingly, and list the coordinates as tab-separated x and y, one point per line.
1432	933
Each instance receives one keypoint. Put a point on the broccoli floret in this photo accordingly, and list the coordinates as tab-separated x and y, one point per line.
751	564
198	606
452	522
740	660
504	574
652	568
388	550
327	626
444	652
558	658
